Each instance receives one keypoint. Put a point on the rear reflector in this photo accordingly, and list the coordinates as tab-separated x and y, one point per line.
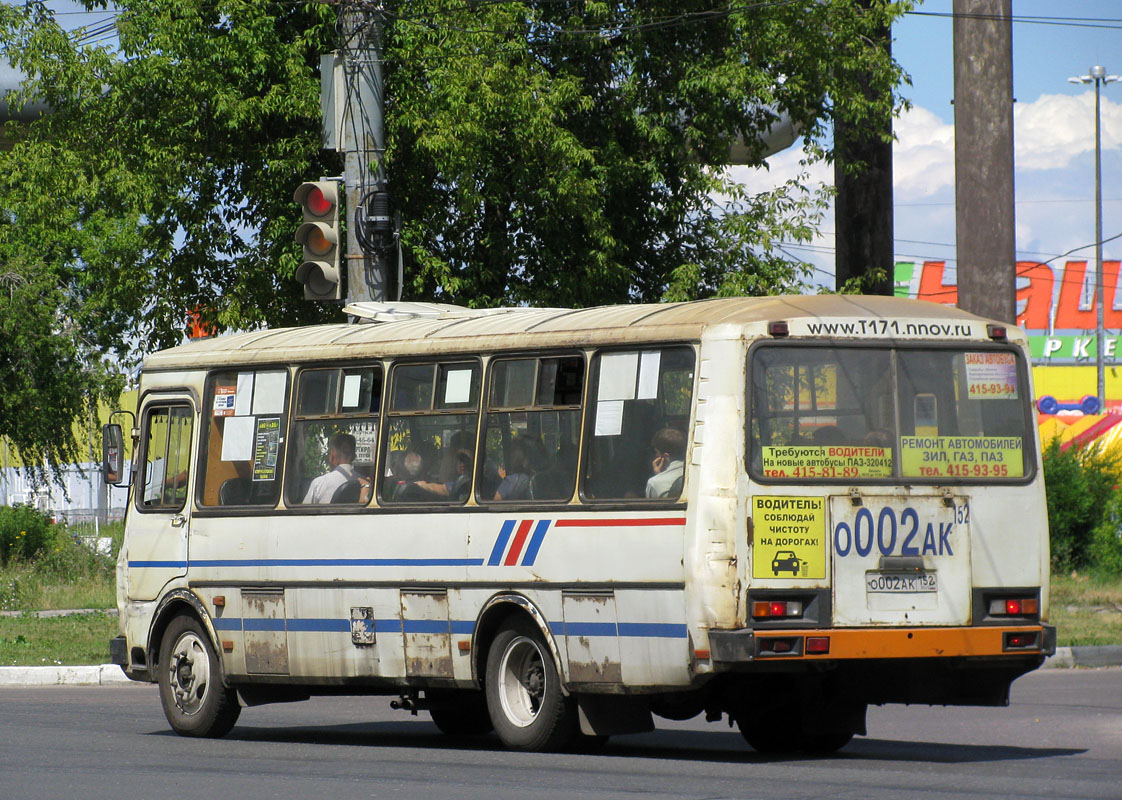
779	646
817	645
778	328
1017	640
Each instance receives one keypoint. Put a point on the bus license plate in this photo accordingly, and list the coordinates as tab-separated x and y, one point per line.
900	583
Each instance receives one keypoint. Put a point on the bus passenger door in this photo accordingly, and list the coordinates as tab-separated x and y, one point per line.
156	544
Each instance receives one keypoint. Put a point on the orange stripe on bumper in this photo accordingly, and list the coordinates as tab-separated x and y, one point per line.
909	643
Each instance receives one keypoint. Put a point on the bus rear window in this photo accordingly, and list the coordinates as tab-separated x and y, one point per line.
881	414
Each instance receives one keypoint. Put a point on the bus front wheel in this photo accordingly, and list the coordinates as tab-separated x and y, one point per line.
523	690
190	676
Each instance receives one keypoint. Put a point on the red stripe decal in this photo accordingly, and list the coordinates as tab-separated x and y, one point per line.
519	541
619	523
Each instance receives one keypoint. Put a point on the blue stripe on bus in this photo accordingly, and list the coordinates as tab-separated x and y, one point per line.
654	630
500	543
159	564
590	629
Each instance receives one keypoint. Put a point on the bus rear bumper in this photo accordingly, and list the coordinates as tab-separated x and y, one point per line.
730	647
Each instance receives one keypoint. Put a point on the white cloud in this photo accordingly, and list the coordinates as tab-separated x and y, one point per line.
1053	129
923	155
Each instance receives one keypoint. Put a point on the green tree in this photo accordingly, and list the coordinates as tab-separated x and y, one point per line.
555	152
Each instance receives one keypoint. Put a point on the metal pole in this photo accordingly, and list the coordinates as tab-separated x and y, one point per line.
1099	248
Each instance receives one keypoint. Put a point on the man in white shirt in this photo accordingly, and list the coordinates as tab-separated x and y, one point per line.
340	454
669	463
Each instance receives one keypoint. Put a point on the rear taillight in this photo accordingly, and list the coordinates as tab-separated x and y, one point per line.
1014	607
777	609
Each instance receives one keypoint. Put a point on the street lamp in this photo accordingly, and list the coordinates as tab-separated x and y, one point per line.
1098	76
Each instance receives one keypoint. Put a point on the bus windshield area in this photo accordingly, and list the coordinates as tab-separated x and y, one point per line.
911	414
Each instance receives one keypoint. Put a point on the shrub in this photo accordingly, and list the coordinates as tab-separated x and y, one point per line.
24	532
1106	543
1080	484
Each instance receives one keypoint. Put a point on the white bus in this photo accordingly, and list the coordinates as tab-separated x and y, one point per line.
557	524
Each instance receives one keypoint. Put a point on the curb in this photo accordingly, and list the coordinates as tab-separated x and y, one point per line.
1067	657
103	675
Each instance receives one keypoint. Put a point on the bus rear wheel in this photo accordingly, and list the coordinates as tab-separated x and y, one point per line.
190	676
784	736
523	690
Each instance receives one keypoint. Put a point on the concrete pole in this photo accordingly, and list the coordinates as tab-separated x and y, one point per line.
364	143
985	232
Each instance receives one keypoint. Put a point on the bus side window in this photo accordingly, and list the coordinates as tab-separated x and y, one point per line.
639	424
430	433
167	458
334	436
244	439
532	429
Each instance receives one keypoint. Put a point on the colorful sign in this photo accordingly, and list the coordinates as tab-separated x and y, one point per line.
789	537
834	461
962	456
1055	304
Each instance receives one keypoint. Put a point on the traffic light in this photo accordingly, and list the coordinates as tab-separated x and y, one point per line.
319	235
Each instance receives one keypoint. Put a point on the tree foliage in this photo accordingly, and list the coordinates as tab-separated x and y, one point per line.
553	152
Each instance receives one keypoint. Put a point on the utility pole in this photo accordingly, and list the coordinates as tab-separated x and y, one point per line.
985	233
364	144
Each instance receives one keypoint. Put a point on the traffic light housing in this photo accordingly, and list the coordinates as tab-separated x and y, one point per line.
319	236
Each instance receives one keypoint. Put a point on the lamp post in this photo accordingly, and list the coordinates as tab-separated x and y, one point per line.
1098	76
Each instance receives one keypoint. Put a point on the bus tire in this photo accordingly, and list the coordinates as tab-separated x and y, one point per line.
459	713
523	689
195	701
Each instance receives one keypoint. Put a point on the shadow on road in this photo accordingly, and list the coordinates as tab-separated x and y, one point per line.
682	745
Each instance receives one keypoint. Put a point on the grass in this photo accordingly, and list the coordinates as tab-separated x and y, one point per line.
1087	609
29	641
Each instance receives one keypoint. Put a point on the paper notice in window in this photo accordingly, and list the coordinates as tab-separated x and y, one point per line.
991	376
351	386
648	375
243	404
609	418
268	393
224	400
458	387
617	377
237	439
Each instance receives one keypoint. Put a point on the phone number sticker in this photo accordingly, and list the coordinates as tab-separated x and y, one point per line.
834	461
991	376
962	456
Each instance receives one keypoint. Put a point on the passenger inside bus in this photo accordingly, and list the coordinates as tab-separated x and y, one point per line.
669	463
458	483
341	484
515	473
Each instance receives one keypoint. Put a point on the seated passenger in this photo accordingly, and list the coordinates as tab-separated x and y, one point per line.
340	455
515	473
669	462
457	488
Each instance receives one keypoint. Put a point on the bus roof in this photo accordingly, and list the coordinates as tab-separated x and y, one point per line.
444	329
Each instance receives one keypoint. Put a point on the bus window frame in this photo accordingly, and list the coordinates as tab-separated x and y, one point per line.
485	410
593	378
247	509
390	368
294	418
178	397
1030	456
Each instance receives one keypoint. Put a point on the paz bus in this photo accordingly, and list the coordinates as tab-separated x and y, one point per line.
559	524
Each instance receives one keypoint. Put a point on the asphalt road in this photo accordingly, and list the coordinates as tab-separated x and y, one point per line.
1061	737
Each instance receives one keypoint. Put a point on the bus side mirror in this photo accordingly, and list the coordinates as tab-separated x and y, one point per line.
113	455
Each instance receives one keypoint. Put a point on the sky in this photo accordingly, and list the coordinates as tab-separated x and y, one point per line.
1053	136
